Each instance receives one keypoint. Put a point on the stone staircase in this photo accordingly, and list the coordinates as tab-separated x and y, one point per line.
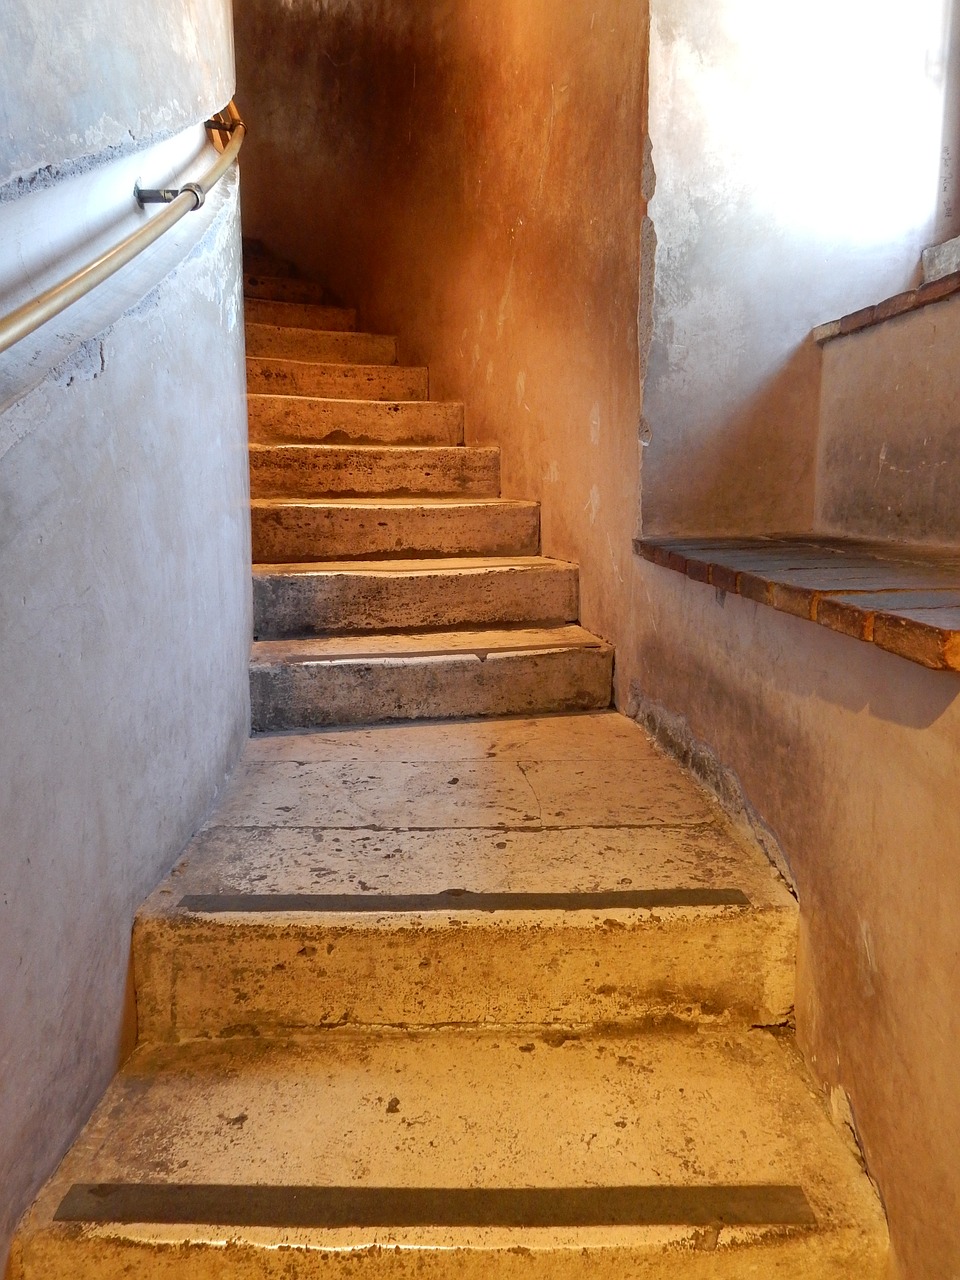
503	996
391	580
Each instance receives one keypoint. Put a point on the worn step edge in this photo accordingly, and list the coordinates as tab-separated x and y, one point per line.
296	315
316	344
293	692
343	420
287	530
337	380
367	470
807	1209
210	975
349	596
266	287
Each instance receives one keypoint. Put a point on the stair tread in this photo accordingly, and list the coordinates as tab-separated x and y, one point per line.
371	448
416	568
567	804
371	504
375	645
337	334
343	403
465	1110
643	823
298	315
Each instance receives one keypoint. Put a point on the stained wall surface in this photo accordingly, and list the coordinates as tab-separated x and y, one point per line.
850	756
95	78
889	448
124	574
794	185
469	175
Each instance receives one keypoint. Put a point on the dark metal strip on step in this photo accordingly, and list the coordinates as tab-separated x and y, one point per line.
332	1207
459	900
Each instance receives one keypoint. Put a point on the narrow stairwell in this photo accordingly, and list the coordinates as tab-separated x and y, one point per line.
505	995
391	581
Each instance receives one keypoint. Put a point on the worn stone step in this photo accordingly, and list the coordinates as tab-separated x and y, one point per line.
329	420
298	315
332	887
259	260
697	1156
310	470
439	675
332	381
272	342
286	529
356	596
265	286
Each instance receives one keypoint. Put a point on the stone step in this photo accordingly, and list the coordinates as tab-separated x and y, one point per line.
395	826
267	287
316	420
460	1155
272	345
311	470
376	383
298	315
439	675
364	595
287	530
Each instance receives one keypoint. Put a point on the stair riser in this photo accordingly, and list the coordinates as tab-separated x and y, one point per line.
317	603
665	1254
313	421
294	533
358	691
322	348
302	471
298	315
265	287
202	978
350	382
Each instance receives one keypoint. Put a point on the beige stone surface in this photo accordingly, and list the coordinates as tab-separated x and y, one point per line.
574	804
356	348
355	596
335	380
287	288
462	1109
288	530
303	470
316	420
437	675
299	315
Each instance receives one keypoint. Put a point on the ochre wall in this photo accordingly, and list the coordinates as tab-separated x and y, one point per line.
469	175
124	554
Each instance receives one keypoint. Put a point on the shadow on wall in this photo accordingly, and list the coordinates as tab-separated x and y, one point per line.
817	666
746	457
354	75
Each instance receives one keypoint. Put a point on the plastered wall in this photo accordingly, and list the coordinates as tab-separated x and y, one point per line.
124	568
850	756
804	158
888	461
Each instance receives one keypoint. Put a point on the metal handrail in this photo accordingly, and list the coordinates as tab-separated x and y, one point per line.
31	315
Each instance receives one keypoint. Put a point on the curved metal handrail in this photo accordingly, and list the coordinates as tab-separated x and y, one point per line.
31	315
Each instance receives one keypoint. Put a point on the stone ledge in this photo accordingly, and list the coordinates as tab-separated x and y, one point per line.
899	305
904	599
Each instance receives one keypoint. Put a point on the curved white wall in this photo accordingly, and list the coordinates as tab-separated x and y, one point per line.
124	537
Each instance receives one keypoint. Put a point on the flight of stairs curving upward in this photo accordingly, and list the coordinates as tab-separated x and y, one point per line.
391	579
506	997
